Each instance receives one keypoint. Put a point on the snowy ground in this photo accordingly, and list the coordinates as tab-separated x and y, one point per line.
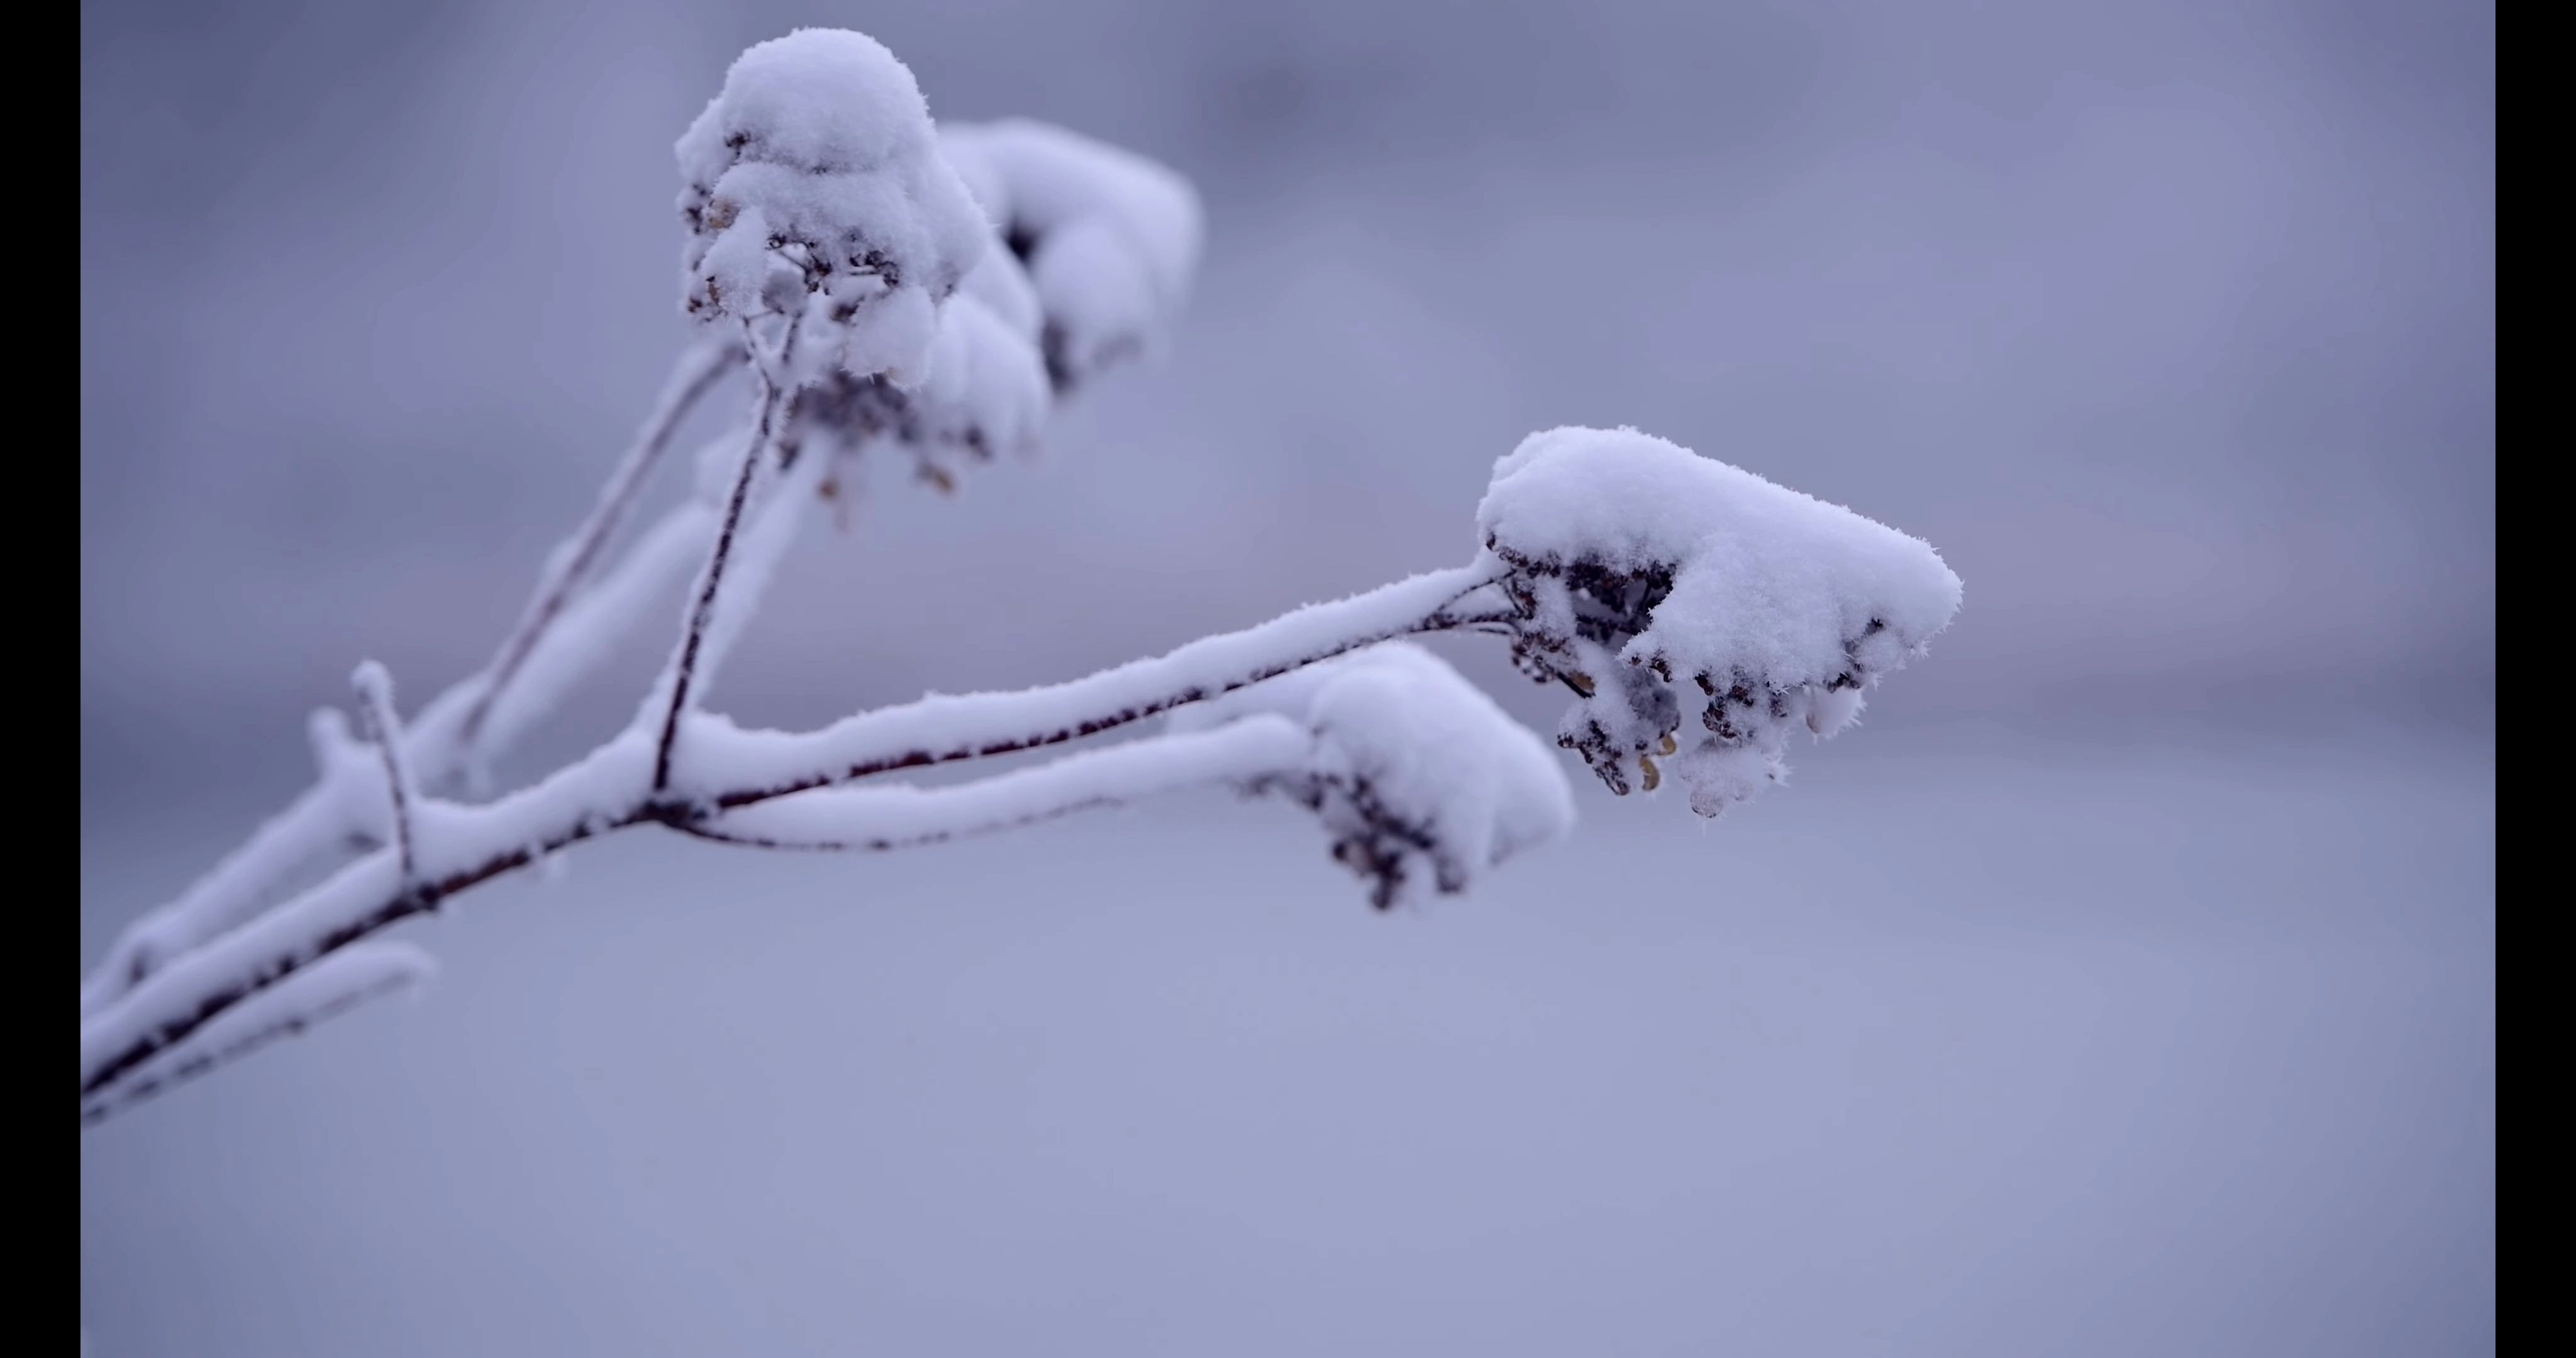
1961	1043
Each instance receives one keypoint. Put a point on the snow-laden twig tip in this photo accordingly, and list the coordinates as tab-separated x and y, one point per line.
564	634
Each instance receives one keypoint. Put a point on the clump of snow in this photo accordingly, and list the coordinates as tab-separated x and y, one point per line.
985	388
1109	238
1415	771
1089	255
1001	286
1654	581
814	183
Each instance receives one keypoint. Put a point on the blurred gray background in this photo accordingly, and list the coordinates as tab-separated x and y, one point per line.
2125	984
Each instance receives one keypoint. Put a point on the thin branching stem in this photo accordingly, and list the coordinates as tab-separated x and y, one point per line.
327	819
702	612
699	371
368	896
376	709
180	1067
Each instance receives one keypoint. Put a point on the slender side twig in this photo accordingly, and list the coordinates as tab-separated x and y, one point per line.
376	709
573	563
327	818
702	612
863	819
332	986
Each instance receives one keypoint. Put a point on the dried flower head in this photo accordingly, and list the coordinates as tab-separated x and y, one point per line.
813	185
1418	776
1670	590
1109	238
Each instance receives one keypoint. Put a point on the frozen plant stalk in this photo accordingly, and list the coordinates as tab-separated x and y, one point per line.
889	286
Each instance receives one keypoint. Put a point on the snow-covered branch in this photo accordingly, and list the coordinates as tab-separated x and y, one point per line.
721	768
773	396
1623	553
564	633
895	287
875	819
1415	773
730	767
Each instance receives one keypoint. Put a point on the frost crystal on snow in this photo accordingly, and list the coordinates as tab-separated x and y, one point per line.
1662	586
1414	771
1109	239
814	182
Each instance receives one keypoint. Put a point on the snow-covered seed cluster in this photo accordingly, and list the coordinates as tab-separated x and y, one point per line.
1420	779
1699	613
1091	254
1378	844
1108	239
982	392
813	185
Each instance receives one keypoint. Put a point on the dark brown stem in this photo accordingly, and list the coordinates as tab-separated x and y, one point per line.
699	829
702	613
376	710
